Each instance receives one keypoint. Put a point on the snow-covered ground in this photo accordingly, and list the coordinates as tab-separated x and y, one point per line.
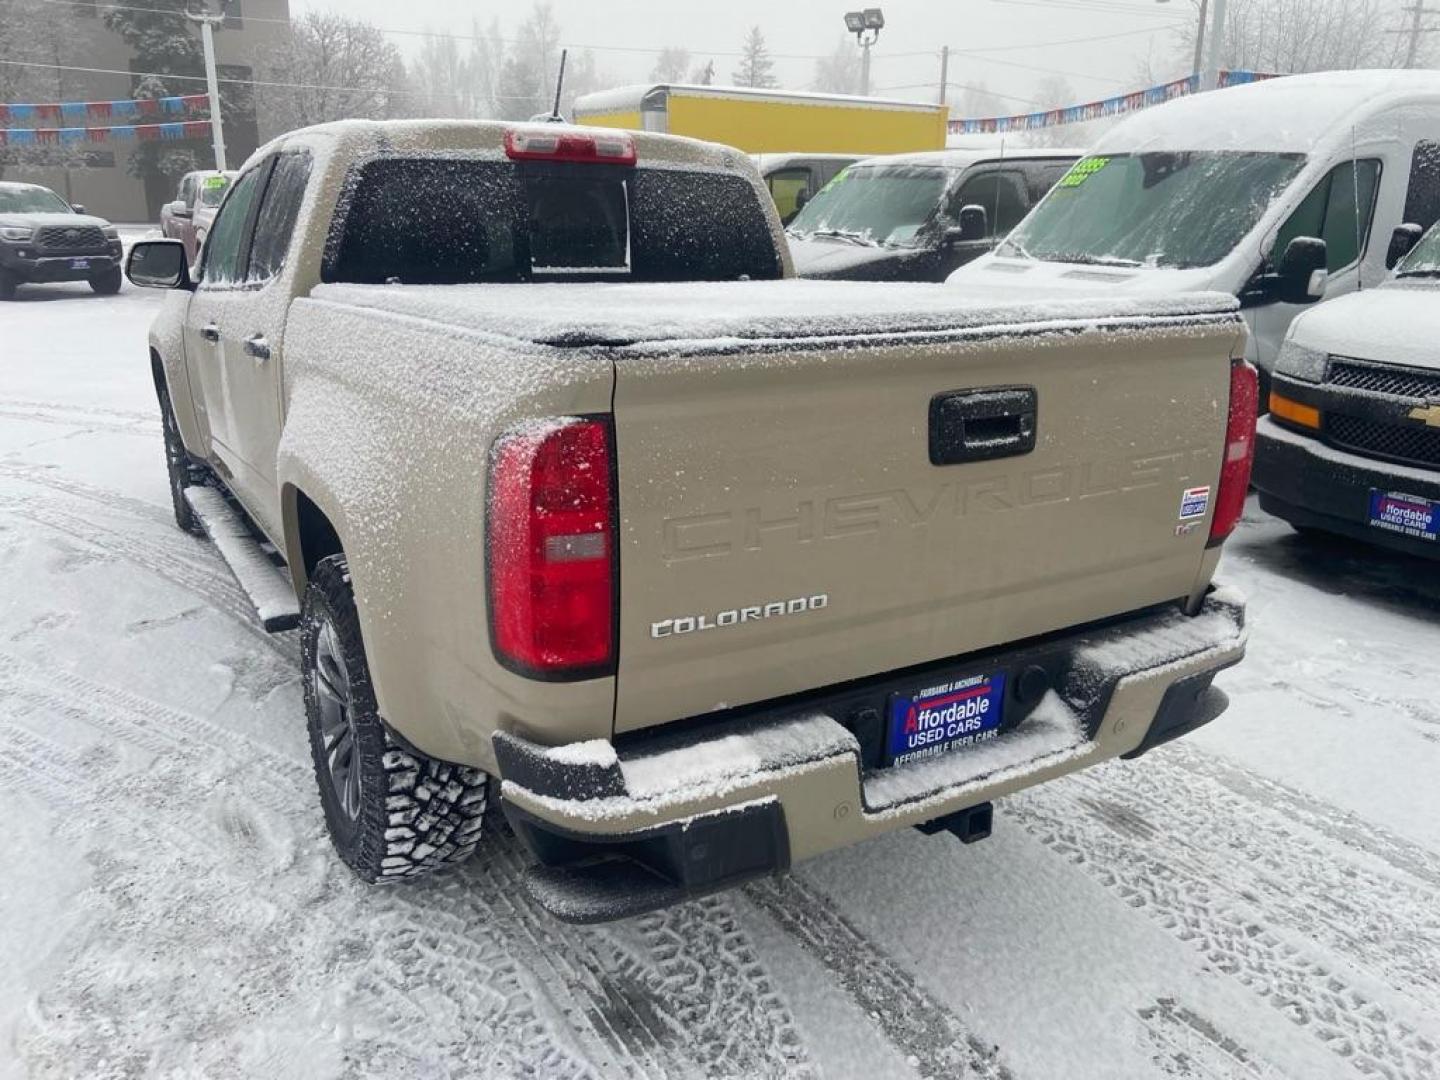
1259	901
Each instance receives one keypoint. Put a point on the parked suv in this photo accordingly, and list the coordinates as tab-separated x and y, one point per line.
1352	443
188	216
43	238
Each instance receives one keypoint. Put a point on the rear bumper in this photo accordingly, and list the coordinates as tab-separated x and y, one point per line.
1309	484
679	814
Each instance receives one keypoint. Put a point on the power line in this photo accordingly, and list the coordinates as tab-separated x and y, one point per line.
1416	29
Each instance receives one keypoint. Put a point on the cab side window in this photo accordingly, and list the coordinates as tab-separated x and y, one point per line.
1002	194
787	186
227	247
1422	198
1330	213
275	225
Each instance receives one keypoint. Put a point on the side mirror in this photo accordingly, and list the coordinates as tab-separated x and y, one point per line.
1402	240
158	264
1301	277
179	209
77	207
974	224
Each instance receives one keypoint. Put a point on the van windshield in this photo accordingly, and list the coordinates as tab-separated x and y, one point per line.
1424	257
875	204
1178	210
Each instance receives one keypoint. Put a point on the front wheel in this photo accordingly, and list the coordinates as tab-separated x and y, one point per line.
392	812
107	282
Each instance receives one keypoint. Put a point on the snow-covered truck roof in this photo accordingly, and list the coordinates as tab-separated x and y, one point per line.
1294	114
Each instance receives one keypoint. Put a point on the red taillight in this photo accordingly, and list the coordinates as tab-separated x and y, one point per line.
1239	450
542	143
552	550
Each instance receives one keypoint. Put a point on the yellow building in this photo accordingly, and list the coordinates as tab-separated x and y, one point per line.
770	121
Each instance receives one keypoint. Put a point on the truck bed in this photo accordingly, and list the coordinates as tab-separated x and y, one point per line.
749	312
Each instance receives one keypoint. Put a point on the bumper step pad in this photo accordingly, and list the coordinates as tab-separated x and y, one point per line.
265	583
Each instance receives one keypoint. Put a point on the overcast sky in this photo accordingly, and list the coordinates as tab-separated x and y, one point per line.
1132	31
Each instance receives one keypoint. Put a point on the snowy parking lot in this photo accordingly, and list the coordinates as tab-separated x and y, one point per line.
1261	900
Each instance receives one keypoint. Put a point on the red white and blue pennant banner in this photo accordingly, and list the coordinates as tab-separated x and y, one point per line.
52	112
70	136
1095	110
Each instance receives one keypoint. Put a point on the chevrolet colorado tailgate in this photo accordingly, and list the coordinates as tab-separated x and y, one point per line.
852	498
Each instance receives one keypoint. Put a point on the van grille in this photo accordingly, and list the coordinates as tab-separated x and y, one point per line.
1413	445
1381	379
67	238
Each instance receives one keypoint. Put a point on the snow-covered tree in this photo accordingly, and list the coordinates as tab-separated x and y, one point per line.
839	73
977	102
671	65
334	68
704	75
1308	35
756	67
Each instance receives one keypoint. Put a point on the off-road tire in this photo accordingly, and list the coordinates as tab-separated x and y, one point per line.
8	284
107	283
181	469
415	814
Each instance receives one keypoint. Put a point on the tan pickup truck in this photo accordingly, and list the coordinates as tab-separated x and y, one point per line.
575	501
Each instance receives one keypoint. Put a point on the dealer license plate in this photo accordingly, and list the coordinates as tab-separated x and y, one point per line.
948	716
79	264
1407	515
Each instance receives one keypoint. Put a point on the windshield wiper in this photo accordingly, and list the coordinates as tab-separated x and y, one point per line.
1434	272
844	234
1096	260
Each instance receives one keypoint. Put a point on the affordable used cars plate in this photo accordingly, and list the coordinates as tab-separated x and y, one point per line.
948	716
1408	515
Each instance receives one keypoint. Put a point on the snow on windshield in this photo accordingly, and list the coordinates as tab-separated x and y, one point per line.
31	200
1178	210
875	205
1424	258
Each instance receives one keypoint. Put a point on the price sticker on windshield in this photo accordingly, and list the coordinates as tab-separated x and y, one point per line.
213	182
1083	170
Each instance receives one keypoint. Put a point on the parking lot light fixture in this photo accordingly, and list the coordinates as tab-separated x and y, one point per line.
866	26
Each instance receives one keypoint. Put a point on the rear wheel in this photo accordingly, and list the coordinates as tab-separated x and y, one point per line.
8	284
107	282
392	812
182	471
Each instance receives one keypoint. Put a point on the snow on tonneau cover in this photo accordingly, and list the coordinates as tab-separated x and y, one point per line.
853	553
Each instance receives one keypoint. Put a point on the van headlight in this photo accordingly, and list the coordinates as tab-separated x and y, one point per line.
16	233
1301	362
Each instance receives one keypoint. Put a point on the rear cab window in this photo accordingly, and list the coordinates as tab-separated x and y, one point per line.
445	220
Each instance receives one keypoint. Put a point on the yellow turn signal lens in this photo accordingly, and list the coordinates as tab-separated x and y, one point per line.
1284	408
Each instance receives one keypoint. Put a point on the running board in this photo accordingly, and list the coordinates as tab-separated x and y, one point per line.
266	584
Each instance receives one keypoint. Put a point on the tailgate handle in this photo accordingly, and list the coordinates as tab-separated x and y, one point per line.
982	424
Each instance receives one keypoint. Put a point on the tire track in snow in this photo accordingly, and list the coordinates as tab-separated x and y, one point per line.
1201	894
934	1040
644	1013
1386	924
1185	1044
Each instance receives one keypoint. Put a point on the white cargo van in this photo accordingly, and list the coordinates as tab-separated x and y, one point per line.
1249	190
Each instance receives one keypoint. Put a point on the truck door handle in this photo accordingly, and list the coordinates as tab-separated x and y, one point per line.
982	424
258	347
210	332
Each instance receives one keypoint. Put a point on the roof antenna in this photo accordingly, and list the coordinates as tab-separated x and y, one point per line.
555	117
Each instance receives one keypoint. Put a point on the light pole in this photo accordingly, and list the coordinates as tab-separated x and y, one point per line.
208	23
866	26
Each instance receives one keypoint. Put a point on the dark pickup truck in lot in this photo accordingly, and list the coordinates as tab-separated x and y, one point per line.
44	239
